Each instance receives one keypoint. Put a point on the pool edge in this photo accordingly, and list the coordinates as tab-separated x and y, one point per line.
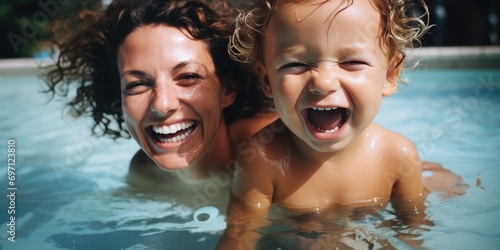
477	57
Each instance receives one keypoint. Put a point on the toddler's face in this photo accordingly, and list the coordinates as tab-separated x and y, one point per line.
325	70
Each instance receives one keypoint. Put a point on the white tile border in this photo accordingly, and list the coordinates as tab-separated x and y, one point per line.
433	52
431	57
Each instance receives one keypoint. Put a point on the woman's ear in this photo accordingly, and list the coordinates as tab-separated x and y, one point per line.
391	82
228	95
264	80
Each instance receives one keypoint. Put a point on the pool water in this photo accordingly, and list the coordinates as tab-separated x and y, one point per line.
72	191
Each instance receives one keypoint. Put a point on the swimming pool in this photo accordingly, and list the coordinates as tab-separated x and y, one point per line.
71	193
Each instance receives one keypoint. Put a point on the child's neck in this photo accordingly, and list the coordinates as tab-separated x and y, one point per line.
355	147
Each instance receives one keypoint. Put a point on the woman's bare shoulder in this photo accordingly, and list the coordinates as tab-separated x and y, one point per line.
243	129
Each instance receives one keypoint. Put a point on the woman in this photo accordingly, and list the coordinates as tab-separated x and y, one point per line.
161	69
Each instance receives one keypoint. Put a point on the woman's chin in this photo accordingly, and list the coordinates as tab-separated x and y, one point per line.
172	165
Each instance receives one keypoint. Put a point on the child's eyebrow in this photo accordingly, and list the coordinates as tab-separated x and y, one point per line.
354	50
293	50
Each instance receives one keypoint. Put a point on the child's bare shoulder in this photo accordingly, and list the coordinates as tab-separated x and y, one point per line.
396	146
392	139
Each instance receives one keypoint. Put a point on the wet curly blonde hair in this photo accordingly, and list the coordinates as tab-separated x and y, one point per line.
403	23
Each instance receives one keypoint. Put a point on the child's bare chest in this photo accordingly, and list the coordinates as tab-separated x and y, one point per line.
361	184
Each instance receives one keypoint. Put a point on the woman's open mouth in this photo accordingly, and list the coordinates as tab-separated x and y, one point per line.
326	120
173	133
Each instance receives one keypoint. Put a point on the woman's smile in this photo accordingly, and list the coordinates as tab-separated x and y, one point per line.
179	132
172	97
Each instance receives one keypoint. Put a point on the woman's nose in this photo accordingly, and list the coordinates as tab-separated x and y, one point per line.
324	81
165	100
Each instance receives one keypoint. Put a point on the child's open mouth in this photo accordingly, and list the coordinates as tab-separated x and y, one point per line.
327	120
174	132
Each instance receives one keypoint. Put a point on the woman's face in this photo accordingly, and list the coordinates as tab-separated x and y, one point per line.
172	98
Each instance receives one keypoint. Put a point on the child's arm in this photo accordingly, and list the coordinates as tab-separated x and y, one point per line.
409	194
408	191
251	198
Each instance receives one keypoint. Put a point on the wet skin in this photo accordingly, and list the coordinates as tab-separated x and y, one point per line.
327	83
173	107
172	98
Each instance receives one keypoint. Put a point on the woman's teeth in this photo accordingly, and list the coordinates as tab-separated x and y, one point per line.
172	129
167	134
176	138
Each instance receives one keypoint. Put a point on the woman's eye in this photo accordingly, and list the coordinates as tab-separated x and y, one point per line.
189	79
137	87
294	68
190	76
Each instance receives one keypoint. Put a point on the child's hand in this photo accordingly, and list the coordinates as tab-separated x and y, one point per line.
439	179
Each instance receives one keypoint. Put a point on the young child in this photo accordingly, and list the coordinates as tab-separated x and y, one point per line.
327	65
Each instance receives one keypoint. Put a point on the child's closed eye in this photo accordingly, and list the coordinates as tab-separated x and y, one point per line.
353	65
294	68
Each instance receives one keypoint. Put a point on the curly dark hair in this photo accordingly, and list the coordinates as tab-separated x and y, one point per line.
88	56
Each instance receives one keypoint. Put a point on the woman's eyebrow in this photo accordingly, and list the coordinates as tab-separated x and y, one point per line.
200	68
136	73
176	68
181	65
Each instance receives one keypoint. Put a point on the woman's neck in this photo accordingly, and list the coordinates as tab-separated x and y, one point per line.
218	157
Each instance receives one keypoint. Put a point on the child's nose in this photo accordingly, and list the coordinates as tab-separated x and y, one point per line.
324	81
165	100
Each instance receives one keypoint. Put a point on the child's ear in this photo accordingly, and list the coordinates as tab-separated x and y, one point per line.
228	95
391	82
264	80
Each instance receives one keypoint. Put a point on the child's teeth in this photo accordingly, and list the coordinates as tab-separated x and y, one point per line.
327	130
324	109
